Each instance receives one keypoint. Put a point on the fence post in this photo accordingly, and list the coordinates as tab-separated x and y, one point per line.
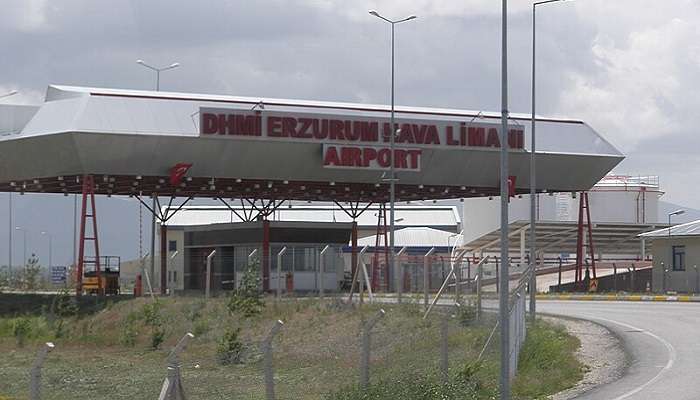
364	360
458	278
614	278
479	278
207	288
364	277
321	271
444	360
398	271
172	385
426	280
35	373
267	354
278	292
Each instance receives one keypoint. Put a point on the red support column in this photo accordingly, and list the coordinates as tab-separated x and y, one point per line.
163	258
88	195
81	247
266	256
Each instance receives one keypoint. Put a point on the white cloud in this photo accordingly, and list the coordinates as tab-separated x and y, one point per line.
640	89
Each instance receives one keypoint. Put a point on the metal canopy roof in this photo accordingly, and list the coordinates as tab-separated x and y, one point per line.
689	229
445	217
129	140
415	237
560	237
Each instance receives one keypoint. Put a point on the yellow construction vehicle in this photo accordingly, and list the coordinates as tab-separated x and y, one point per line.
108	276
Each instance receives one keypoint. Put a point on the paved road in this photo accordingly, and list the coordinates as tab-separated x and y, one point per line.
663	340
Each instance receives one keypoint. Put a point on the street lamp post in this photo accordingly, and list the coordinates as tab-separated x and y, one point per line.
9	252
533	172
503	283
24	247
50	247
158	70
392	173
671	214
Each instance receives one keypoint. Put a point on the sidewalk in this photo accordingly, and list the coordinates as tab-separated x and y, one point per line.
621	297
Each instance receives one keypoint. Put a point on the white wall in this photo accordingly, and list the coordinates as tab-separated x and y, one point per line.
176	264
481	215
680	281
624	206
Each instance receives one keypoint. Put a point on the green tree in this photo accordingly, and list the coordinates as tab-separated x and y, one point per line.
31	273
247	299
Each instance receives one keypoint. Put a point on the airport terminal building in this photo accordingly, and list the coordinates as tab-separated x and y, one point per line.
263	153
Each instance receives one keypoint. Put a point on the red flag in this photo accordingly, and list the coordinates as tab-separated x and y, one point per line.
178	172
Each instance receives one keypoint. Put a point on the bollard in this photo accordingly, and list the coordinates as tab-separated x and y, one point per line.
364	360
614	278
207	288
321	271
559	281
172	385
278	292
444	360
267	354
426	284
35	373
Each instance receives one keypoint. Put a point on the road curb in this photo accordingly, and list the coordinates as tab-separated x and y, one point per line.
614	297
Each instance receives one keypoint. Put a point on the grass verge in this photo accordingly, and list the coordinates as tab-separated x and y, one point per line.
112	352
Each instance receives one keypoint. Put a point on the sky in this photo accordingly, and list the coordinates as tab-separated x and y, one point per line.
629	68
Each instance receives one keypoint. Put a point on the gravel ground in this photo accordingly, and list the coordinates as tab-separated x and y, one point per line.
601	352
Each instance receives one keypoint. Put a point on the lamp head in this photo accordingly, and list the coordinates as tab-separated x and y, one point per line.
174	65
372	12
411	17
139	61
677	212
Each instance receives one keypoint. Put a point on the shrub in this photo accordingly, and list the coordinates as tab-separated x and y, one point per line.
230	348
151	314
157	337
21	328
62	307
129	330
31	273
247	298
200	327
194	310
466	314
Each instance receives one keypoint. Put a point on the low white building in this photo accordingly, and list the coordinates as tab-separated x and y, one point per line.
676	258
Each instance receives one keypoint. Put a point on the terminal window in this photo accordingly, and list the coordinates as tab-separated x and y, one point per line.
678	258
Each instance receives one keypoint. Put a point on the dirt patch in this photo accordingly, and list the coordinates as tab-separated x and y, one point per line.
601	352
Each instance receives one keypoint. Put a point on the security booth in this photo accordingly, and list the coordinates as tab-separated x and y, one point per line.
238	245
